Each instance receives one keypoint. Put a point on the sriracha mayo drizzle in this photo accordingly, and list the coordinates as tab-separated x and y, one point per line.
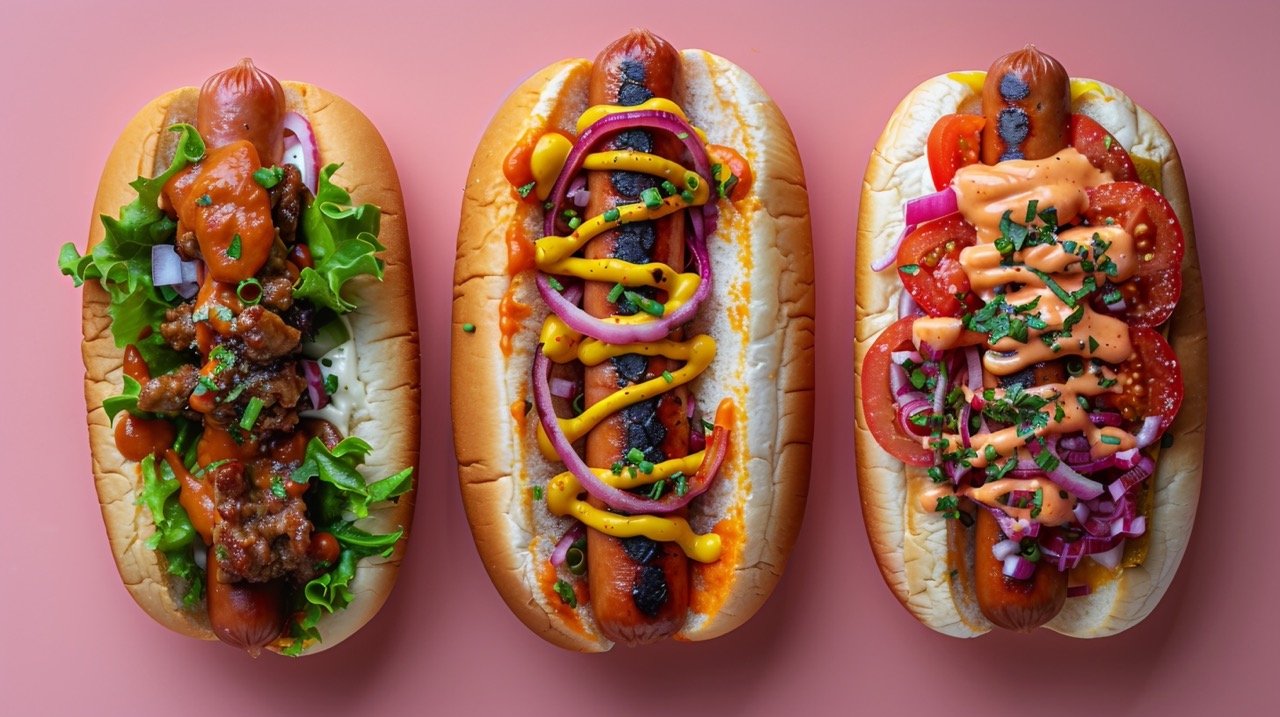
546	156
1050	285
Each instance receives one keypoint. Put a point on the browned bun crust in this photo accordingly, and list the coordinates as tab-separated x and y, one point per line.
761	252
917	551
384	328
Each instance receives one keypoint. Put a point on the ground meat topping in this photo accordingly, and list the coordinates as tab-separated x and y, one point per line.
168	394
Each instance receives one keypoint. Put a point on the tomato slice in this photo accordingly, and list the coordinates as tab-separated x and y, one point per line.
1154	369
1152	293
1101	149
954	142
929	266
878	404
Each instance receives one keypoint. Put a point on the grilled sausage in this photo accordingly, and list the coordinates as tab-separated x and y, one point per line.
1027	102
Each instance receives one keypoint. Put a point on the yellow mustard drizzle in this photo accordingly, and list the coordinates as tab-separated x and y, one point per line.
561	344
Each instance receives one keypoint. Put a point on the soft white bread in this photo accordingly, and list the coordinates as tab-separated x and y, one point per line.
918	552
384	328
760	313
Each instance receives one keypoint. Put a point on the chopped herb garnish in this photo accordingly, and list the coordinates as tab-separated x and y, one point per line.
537	492
681	483
645	304
655	491
726	187
555	283
574	223
268	177
469	327
524	190
204	200
251	411
936	475
635	455
651	198
949	506
669	188
331	384
249	291
666	376
277	485
1110	440
682	135
233	251
1093	344
565	591
615	293
1106	142
612	215
1031	210
909	269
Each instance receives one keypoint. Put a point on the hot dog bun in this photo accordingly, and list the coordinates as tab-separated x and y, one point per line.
760	313
384	328
918	552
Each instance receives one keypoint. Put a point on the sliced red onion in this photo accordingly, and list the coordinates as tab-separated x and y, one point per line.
1120	486
315	383
697	436
615	498
973	363
1081	511
1067	477
919	405
1149	432
1005	548
305	155
966	413
918	211
570	537
1106	418
907	306
1074	442
1127	459
1078	590
691	407
1018	567
562	388
1129	527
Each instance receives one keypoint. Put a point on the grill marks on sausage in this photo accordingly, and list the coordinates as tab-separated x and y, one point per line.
1014	126
650	591
632	89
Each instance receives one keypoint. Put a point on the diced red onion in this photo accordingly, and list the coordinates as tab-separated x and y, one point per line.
1067	555
1105	418
1120	486
1129	527
1018	567
1081	511
305	155
168	269
570	537
315	383
1124	460
691	407
615	498
1005	548
1110	558
1074	442
1078	590
562	388
1014	529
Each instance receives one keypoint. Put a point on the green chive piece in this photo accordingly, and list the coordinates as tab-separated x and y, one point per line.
555	283
666	376
525	190
565	591
576	561
574	223
268	178
469	327
615	293
251	412
1110	440
909	269
537	492
612	215
651	198
249	291
635	455
669	188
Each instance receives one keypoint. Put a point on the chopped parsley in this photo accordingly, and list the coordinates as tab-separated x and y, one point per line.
233	251
565	591
526	189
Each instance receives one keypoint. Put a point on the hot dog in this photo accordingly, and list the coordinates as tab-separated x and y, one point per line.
1028	454
258	324
603	279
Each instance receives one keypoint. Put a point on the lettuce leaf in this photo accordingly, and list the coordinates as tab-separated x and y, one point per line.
340	491
121	262
160	496
342	240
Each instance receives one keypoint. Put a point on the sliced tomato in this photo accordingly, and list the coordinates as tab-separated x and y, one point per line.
878	404
1101	149
1151	378
954	142
929	266
1151	294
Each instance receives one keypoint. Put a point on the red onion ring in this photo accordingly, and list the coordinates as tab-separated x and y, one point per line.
916	212
306	155
570	537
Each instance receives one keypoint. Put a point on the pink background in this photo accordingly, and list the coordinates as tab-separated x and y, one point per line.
832	637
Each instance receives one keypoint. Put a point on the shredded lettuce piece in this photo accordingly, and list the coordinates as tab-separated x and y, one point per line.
342	240
337	469
174	534
121	262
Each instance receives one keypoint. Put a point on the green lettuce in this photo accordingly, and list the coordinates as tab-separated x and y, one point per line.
121	262
340	490
174	533
342	240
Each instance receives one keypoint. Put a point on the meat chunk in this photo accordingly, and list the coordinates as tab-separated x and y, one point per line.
168	394
288	198
265	335
177	328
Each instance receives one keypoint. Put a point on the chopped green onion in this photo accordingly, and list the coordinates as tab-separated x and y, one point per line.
555	283
1031	210
615	293
537	492
686	196
576	561
526	189
1093	344
635	455
691	181
1110	440
233	251
565	591
268	178
655	492
681	483
469	327
574	223
204	200
666	376
331	384
251	412
249	291
909	269
646	467
612	215
682	135
277	485
669	188
645	304
651	198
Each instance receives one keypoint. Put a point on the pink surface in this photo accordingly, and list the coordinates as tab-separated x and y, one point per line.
832	638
